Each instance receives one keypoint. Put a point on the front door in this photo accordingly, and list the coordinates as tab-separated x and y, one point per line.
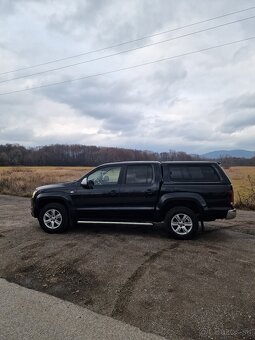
101	201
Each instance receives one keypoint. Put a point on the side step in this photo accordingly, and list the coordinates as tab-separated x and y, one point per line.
114	222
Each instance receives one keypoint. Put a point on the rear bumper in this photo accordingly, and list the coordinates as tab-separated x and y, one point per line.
231	214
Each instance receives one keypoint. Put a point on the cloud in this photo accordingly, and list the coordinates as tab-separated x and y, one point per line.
246	101
15	134
113	104
111	21
240	113
196	103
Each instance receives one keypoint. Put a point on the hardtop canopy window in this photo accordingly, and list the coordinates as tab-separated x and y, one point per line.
139	174
192	173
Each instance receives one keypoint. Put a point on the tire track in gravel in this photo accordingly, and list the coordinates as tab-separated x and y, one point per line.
128	287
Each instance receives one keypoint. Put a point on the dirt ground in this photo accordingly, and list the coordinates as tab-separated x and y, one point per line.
198	289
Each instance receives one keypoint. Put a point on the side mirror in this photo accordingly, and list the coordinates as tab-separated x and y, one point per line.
87	184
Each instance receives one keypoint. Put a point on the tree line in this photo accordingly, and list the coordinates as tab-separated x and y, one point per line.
79	155
89	155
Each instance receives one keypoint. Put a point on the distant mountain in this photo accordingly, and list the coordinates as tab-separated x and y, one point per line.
229	153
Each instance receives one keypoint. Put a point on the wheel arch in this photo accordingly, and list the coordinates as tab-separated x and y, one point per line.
44	200
196	204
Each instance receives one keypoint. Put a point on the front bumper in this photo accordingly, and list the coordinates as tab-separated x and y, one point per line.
231	214
33	208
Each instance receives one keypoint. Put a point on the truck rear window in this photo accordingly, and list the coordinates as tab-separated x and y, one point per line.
192	173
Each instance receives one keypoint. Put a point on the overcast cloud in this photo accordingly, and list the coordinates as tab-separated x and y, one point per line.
197	103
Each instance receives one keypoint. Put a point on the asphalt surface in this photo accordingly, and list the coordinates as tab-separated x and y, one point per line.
27	314
198	289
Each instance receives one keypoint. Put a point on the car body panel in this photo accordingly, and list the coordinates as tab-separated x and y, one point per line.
148	201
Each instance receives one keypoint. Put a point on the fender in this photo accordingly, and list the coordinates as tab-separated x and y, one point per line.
57	196
166	200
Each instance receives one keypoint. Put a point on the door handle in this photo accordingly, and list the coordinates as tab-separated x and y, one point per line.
148	192
113	193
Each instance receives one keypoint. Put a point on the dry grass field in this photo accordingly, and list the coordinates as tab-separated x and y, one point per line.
243	180
21	181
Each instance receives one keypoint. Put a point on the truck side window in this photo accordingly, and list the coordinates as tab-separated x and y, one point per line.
190	173
139	174
105	176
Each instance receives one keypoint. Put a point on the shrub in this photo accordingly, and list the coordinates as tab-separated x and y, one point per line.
247	200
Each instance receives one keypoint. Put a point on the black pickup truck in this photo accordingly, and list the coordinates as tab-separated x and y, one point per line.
178	193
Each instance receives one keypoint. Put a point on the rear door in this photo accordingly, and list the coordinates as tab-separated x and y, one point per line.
138	192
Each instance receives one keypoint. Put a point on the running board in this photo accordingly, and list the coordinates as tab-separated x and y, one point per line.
106	222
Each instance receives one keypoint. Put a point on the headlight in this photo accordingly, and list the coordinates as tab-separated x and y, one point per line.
33	195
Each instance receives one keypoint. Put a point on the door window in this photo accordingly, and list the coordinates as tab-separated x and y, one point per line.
105	176
139	174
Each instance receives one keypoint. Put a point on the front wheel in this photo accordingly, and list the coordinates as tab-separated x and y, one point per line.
53	218
181	223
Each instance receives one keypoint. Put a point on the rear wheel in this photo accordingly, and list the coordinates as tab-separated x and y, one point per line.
53	218
181	223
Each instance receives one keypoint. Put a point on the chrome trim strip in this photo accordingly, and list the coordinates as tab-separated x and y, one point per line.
114	222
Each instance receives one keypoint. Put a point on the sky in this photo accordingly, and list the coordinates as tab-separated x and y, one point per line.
195	103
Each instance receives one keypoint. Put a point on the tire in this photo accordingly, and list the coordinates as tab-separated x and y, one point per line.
181	223
53	218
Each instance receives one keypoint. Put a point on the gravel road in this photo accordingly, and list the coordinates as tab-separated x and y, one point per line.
30	315
198	289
